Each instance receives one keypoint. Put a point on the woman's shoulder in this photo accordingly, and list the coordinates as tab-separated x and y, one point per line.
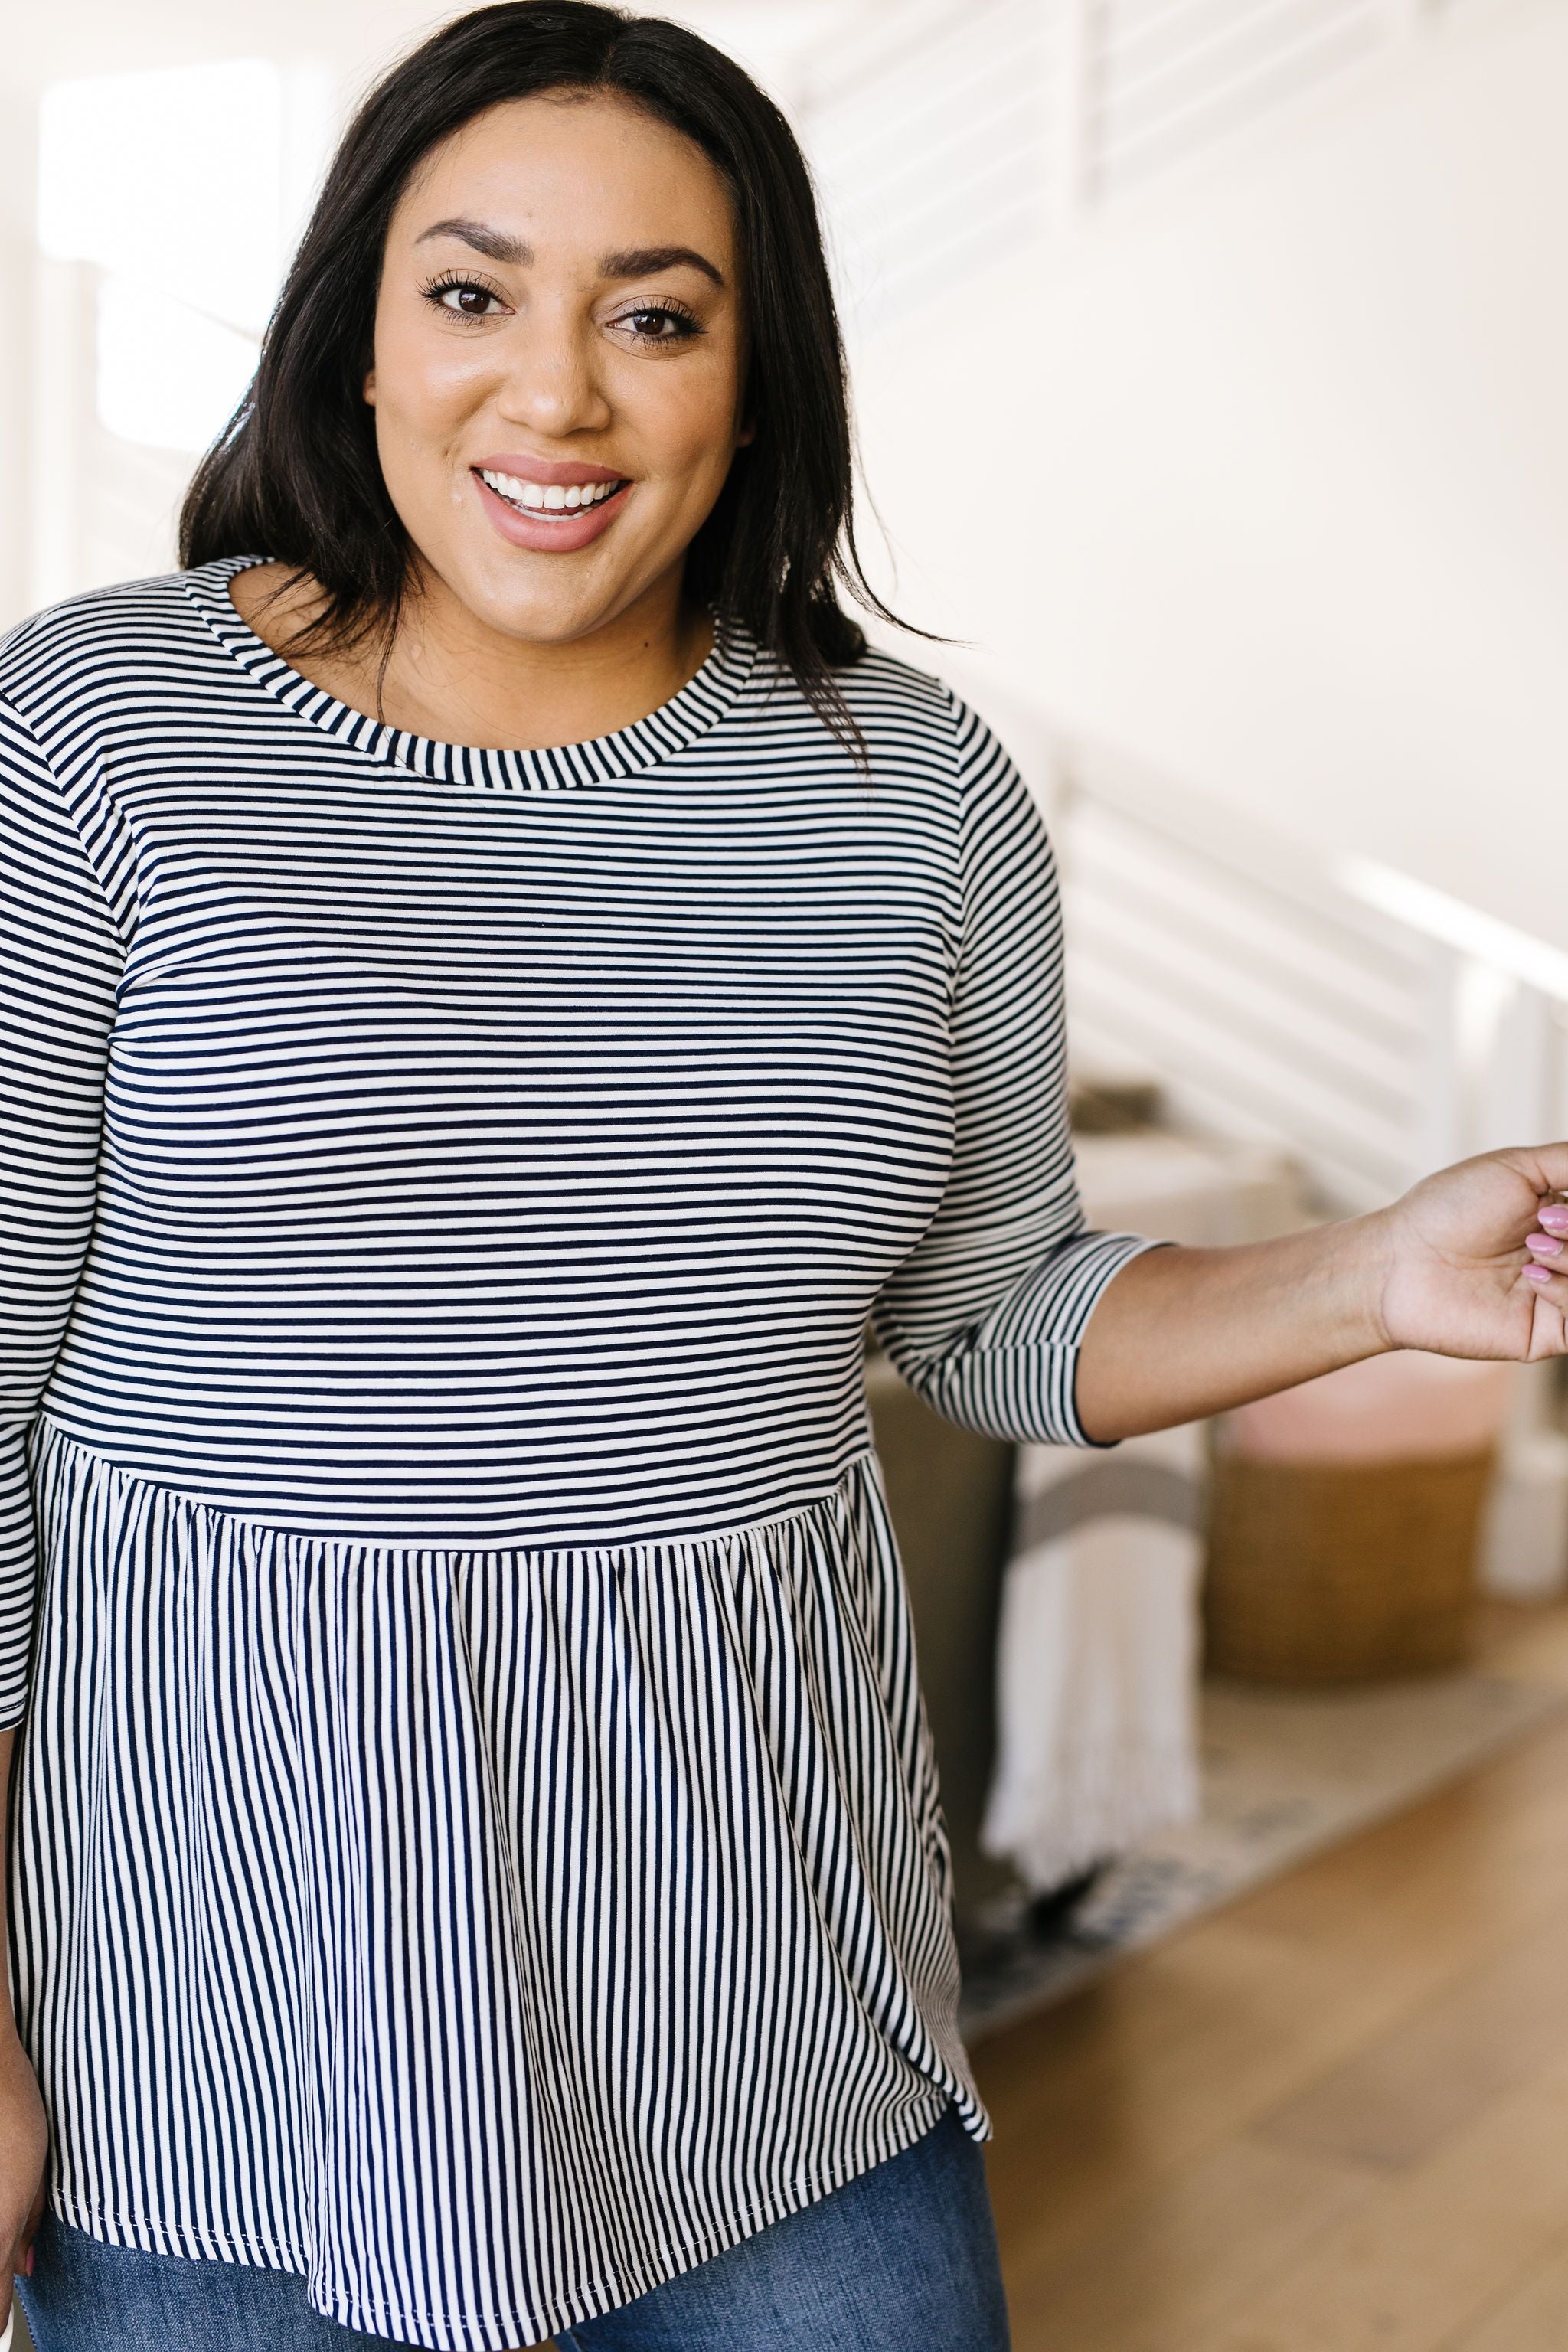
898	699
916	724
906	720
101	640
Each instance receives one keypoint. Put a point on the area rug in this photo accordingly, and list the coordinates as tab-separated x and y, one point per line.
1284	1774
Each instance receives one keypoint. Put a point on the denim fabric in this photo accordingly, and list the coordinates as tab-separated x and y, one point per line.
901	2260
904	2256
86	2296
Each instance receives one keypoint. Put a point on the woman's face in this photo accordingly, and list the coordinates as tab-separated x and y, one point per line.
559	367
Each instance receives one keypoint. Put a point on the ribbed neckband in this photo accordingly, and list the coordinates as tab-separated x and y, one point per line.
629	751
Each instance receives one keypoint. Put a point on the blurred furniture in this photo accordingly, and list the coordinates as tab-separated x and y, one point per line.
952	1496
1098	1656
1345	1519
1205	1194
1524	1527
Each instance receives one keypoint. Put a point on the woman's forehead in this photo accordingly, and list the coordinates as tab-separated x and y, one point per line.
574	170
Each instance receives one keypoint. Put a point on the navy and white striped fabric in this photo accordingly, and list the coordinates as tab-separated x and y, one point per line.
476	1842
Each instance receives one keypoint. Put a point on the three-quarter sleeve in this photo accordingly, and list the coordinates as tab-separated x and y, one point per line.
984	1318
60	961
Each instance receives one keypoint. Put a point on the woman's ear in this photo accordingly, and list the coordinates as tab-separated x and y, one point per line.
368	387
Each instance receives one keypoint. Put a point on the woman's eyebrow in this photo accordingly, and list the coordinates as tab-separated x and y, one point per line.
493	242
643	260
636	261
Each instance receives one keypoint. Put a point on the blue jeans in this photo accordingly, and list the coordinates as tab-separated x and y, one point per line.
903	2257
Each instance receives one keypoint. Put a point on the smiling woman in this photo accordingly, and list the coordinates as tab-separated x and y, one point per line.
498	985
590	264
520	294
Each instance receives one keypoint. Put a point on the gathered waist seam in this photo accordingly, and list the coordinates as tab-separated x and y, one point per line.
48	1431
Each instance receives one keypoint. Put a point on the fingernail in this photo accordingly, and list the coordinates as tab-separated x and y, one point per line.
1544	1245
1556	1219
1538	1273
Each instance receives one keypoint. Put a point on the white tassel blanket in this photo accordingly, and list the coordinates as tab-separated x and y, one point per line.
1097	1730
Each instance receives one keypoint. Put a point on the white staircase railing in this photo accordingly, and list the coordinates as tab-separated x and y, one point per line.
946	133
1374	1027
1370	1026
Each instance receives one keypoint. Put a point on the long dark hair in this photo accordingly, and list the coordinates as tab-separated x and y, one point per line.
295	474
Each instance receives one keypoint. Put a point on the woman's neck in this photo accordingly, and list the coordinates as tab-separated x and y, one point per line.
452	677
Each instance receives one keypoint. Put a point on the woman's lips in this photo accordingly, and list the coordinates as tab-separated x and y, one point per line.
549	532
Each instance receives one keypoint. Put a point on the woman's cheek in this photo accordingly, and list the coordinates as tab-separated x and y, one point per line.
449	387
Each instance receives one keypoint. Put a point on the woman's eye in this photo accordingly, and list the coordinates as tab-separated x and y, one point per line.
656	323
468	301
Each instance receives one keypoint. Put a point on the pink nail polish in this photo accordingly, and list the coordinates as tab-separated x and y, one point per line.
1538	1273
1555	1219
1544	1245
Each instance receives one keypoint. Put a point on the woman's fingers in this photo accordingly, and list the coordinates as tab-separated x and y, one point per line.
1546	1164
1546	1272
1549	1332
1548	1246
1548	1253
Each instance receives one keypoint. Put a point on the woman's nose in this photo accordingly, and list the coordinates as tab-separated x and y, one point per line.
552	385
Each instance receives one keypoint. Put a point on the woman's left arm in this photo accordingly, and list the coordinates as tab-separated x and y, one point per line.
1010	1317
1464	1265
985	1316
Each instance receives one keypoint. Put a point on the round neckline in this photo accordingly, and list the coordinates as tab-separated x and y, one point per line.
630	751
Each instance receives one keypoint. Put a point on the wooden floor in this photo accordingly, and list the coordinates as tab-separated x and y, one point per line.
1331	2118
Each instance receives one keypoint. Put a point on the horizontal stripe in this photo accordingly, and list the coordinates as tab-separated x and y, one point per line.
478	1842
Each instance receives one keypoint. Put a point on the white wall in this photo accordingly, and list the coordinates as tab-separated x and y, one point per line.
1263	479
16	288
1266	480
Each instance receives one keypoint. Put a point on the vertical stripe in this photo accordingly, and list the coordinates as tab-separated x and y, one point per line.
476	1840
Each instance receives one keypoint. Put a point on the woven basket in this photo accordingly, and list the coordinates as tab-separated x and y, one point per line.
1338	1571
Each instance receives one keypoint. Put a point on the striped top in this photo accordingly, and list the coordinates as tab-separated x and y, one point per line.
477	1843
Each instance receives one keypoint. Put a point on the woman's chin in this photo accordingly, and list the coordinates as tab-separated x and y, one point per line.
540	602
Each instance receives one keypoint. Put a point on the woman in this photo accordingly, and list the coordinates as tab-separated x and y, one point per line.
498	985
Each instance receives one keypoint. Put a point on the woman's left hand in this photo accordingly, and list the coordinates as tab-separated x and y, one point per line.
1465	1264
1476	1258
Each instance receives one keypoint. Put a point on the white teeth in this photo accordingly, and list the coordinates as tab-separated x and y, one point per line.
548	499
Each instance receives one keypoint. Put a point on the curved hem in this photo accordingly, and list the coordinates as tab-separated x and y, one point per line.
499	2332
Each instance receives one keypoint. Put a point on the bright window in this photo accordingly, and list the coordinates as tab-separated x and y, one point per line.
172	185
